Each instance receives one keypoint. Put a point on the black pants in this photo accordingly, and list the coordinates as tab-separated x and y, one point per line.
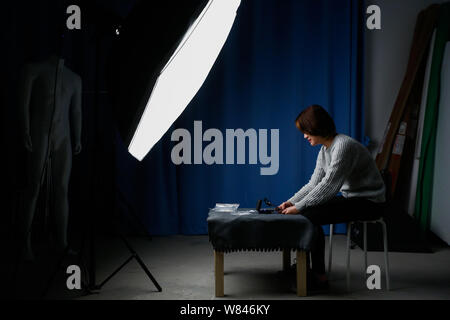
337	210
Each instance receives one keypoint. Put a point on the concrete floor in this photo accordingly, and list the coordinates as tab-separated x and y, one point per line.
183	266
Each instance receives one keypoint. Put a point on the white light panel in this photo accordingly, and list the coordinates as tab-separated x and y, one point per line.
184	74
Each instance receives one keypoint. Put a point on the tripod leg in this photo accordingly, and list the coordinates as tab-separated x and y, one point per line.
86	283
144	267
114	273
133	255
92	260
141	263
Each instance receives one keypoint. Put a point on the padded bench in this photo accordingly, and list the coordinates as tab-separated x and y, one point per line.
260	232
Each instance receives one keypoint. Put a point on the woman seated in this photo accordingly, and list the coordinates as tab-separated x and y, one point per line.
343	165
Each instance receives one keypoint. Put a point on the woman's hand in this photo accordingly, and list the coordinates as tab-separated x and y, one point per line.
291	210
284	205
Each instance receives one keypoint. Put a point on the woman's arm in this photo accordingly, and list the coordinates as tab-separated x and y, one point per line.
340	167
316	177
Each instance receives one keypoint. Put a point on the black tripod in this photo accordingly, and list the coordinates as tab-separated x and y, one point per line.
133	253
104	23
90	286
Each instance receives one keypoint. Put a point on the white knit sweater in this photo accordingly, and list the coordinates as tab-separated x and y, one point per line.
346	167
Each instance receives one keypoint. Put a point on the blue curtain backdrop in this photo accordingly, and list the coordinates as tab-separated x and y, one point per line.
280	57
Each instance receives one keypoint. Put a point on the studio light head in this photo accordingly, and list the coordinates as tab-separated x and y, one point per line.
162	58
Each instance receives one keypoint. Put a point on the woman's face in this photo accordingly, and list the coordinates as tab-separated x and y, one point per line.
313	140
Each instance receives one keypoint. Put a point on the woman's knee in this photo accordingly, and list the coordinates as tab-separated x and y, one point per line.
314	214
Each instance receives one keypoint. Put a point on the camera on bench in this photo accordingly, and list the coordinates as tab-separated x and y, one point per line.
272	209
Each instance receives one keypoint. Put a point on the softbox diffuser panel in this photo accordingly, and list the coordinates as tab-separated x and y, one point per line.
177	76
147	40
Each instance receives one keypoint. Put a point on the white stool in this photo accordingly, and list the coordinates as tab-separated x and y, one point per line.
349	227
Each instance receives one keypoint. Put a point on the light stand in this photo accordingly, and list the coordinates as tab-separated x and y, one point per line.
88	238
170	60
134	254
118	195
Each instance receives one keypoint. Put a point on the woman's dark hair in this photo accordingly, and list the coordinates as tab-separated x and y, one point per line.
316	121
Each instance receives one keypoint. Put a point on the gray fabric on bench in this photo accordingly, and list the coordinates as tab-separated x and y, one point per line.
259	232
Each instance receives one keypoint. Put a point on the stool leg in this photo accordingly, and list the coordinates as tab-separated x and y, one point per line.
218	273
386	254
301	274
349	228
330	252
365	245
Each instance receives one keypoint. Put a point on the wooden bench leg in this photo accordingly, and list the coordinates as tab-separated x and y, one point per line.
286	259
218	273
301	274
